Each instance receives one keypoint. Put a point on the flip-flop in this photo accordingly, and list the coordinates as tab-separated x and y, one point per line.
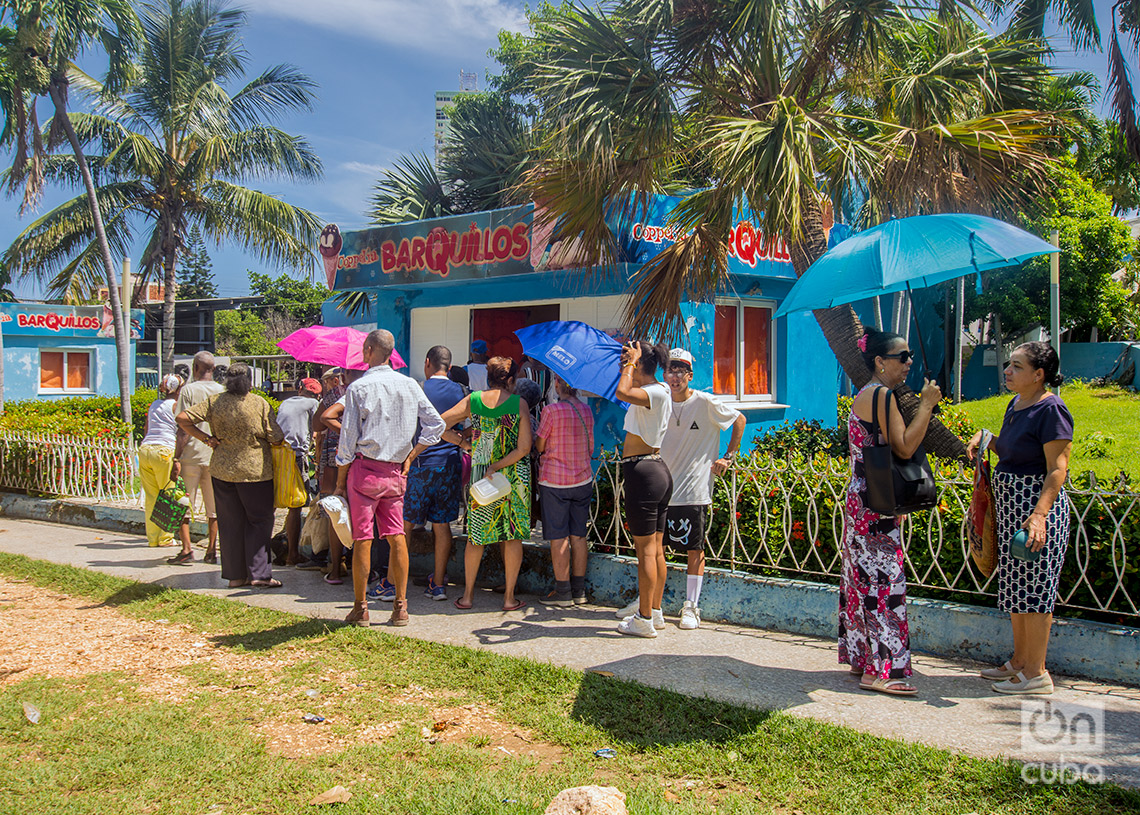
271	583
459	605
333	581
891	687
518	604
238	584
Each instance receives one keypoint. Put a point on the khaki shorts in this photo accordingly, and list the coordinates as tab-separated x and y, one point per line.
195	475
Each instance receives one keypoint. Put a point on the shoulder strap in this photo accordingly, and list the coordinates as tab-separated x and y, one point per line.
875	412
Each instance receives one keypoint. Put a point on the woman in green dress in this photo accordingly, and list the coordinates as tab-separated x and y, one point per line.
501	442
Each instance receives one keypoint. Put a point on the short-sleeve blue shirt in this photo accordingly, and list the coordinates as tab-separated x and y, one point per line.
443	395
1024	434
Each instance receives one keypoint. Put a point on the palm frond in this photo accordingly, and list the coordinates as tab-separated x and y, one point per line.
261	224
409	191
356	304
1120	86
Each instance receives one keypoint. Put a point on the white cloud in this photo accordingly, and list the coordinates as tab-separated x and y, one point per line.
361	167
436	26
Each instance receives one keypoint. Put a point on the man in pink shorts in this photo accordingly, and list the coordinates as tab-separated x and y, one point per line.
378	430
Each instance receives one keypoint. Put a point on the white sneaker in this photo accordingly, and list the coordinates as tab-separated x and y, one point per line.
637	626
658	619
690	616
628	611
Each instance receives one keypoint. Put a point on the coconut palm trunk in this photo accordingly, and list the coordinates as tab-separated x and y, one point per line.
168	306
122	341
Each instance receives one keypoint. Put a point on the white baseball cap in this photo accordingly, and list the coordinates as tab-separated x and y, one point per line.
681	355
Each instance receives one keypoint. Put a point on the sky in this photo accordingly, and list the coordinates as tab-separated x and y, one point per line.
378	64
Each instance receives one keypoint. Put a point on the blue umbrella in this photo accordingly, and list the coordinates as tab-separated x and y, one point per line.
917	251
584	357
906	252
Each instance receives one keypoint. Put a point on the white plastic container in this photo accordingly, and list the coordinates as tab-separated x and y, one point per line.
490	489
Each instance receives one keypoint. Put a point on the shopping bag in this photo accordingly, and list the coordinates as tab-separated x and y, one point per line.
896	486
337	509
288	486
315	531
981	516
170	506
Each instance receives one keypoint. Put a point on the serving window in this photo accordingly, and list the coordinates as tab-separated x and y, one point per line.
743	351
65	371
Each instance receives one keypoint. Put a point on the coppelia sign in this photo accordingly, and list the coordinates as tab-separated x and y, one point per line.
459	247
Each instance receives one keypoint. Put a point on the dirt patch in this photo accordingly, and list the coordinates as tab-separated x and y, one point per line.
45	633
49	634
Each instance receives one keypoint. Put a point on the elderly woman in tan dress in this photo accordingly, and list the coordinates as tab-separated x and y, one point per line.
241	466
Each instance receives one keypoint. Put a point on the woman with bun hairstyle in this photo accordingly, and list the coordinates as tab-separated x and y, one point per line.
1029	494
874	637
157	465
648	484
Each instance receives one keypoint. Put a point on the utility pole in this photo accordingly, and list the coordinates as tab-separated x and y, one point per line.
1055	296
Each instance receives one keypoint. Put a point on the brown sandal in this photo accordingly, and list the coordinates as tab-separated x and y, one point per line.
358	616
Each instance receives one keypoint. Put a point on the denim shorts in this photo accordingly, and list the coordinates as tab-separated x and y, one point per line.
565	510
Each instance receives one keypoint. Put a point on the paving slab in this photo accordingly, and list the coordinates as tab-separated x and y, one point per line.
954	709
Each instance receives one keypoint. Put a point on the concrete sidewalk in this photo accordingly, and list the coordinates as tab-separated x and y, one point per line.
954	709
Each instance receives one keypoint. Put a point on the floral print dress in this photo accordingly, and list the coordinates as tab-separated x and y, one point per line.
495	434
873	631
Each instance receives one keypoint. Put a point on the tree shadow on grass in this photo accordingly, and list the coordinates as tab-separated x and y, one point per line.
648	717
266	638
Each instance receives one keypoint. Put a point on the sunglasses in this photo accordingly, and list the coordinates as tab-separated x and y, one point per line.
902	356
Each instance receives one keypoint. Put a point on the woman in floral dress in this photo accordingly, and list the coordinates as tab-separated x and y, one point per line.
874	638
501	441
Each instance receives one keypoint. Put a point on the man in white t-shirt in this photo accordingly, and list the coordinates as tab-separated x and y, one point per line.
690	448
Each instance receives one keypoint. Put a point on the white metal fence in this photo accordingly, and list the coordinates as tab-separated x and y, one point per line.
784	516
100	469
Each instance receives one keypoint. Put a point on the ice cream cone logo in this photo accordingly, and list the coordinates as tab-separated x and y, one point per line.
330	246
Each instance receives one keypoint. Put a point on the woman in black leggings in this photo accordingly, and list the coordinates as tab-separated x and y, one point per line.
648	485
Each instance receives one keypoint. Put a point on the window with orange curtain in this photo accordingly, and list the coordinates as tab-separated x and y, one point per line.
742	351
78	371
65	371
51	370
724	351
757	326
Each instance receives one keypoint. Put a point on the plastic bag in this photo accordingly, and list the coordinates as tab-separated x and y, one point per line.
288	484
337	509
315	531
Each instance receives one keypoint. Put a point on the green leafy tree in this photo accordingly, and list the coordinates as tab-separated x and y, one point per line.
242	333
42	42
1094	244
172	150
1103	158
786	104
197	272
298	299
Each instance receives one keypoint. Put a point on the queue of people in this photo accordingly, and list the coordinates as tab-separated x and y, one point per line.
402	455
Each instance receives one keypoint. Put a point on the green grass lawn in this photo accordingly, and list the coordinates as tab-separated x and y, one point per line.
1106	426
103	747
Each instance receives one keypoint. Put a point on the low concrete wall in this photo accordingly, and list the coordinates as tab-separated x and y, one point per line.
1077	647
79	513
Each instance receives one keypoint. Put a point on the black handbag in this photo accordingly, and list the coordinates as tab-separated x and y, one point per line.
895	486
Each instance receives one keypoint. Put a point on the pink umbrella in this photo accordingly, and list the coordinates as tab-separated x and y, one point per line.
331	346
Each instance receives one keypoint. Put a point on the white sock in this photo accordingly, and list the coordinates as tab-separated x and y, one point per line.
693	588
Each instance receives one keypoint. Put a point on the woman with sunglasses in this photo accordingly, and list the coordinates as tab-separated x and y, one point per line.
874	638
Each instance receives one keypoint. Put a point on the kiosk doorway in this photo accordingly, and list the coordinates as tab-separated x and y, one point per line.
496	326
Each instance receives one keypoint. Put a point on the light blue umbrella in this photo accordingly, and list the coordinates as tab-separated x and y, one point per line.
585	358
910	252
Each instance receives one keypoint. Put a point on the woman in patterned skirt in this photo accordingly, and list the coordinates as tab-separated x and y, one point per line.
874	638
501	441
1029	493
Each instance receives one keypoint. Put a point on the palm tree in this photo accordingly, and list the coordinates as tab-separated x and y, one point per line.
171	153
786	104
47	39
